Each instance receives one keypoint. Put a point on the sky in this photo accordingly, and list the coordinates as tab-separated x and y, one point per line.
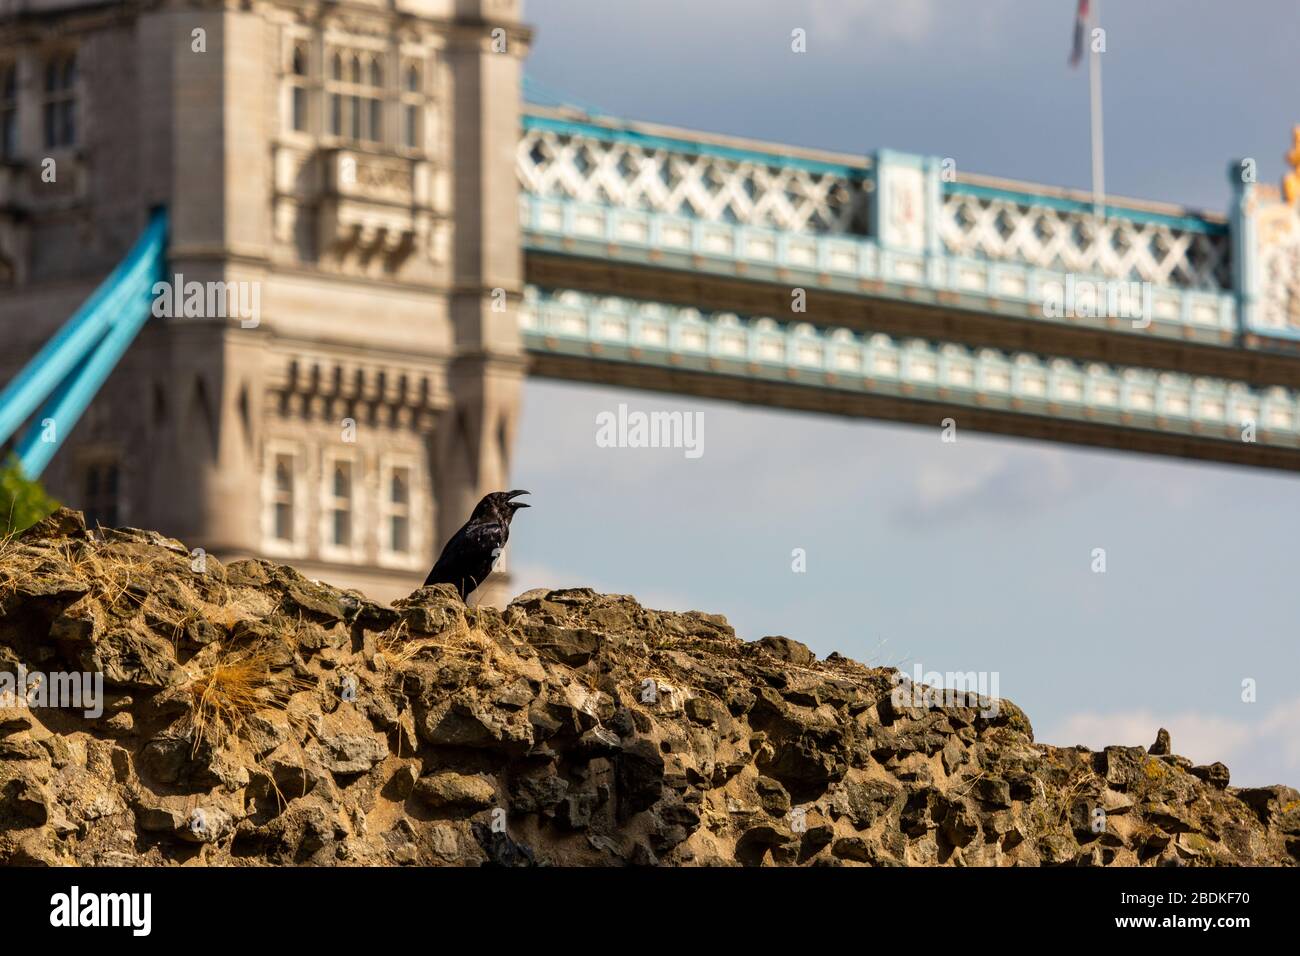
977	554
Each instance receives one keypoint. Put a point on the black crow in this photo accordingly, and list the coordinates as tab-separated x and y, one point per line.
469	556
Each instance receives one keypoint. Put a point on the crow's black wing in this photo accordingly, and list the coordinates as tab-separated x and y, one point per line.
468	557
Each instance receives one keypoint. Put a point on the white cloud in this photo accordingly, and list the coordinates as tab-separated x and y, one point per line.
884	23
992	480
1203	739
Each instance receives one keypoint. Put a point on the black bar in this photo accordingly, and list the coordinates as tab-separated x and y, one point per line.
864	906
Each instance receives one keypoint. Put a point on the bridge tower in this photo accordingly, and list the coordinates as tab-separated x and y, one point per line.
333	376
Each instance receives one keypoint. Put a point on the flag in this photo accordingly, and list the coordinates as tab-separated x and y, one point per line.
1080	28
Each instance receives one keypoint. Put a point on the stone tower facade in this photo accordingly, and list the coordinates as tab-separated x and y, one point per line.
336	378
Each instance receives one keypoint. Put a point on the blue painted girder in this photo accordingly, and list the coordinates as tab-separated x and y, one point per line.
69	370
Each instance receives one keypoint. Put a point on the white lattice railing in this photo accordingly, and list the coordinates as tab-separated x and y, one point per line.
654	333
558	161
1161	250
614	193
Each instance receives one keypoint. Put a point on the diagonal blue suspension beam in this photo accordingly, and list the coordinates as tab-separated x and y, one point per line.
68	372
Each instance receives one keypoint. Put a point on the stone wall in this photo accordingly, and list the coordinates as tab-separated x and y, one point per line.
252	716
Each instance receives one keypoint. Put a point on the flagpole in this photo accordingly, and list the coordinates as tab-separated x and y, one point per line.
1098	149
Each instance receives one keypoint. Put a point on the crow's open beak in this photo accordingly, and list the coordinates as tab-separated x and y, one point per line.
516	494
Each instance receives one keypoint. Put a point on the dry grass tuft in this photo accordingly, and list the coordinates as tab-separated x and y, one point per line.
970	784
12	575
399	649
109	576
7	541
293	629
222	615
238	685
1087	782
177	622
217	598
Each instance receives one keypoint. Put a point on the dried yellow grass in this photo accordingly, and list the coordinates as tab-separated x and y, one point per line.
238	685
292	629
399	649
11	574
222	615
107	575
175	621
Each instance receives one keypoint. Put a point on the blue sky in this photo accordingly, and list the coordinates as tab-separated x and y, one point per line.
974	555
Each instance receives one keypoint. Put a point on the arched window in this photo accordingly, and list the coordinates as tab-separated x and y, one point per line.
340	504
412	110
353	97
399	511
298	88
282	500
